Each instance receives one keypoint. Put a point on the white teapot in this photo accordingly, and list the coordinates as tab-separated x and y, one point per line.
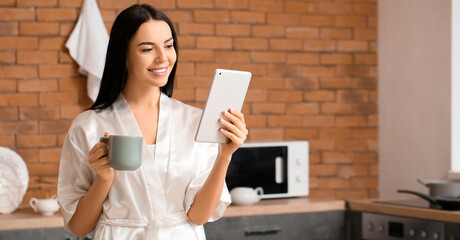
44	206
246	195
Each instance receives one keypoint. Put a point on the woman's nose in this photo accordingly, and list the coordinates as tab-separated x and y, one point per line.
161	56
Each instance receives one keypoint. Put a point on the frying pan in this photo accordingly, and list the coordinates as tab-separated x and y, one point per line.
446	202
441	187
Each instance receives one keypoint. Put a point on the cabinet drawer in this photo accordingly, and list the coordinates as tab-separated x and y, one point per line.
309	226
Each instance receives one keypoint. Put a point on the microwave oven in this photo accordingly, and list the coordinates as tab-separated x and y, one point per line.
280	168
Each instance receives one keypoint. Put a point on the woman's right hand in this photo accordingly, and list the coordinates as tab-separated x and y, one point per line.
99	161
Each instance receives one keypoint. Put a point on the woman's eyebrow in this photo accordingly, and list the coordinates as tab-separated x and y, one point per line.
151	43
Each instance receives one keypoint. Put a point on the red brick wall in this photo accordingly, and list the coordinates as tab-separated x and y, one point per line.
314	67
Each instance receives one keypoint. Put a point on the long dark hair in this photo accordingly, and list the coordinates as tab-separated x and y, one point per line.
115	73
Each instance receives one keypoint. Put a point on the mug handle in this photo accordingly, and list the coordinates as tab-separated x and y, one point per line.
33	202
259	191
102	139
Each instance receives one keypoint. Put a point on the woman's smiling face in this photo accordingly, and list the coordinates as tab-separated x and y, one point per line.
151	54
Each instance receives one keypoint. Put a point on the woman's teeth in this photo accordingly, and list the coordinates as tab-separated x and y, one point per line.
158	70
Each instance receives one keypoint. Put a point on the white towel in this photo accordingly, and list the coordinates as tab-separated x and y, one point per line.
88	45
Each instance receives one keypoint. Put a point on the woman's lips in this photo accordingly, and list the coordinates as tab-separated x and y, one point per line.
158	71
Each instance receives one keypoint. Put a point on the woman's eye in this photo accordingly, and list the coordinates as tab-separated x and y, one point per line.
147	50
169	46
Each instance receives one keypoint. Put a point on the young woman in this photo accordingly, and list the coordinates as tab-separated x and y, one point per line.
181	183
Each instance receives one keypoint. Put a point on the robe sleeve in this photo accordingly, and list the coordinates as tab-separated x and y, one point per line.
75	178
206	163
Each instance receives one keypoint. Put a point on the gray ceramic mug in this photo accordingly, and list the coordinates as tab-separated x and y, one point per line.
125	152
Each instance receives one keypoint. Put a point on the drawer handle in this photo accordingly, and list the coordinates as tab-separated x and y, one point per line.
262	230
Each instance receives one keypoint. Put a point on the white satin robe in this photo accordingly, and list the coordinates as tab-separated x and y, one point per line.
139	204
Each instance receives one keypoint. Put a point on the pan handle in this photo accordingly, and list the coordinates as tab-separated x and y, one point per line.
421	195
424	183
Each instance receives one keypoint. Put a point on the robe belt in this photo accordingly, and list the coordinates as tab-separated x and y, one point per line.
165	222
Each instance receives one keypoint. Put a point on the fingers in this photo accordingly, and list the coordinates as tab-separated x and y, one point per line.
233	138
237	118
232	128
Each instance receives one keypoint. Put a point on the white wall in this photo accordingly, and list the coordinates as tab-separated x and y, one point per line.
414	92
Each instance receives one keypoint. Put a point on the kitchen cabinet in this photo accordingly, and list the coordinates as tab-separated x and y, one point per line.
327	225
57	233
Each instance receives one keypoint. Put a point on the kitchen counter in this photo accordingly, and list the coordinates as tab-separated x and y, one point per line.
373	206
27	218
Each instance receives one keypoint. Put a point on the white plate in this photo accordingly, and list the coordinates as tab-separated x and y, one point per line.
14	179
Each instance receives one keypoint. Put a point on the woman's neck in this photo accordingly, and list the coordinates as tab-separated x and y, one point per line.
142	98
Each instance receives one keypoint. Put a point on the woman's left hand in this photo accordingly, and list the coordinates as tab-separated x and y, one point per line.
235	130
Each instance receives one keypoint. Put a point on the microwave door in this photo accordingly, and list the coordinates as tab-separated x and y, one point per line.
264	167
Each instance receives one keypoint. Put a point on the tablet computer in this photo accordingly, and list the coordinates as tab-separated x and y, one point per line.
228	90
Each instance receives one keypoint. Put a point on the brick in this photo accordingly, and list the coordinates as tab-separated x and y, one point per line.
335	8
318	121
7	140
285	96
119	4
256	121
321	95
255	69
302	108
208	69
334	133
334	183
214	16
18	127
351	145
365	34
355	71
350	21
7	57
365	108
352	96
302	32
256	95
71	111
335	58
193	81
319	45
37	57
70	3
363	133
264	108
17	14
266	6
66	28
195	55
373	170
323	170
55	126
352	46
39	113
247	17
58	70
34	140
107	14
233	30
284	121
335	33
187	42
285	44
364	182
37	3
8	113
336	82
45	85
232	4
302	83
9	28
8	86
365	58
57	14
10	71
267	83
365	9
321	145
336	108
351	121
268	57
64	57
180	16
372	22
251	44
300	7
318	21
161	4
38	28
195	3
283	19
184	94
72	84
29	155
300	134
372	121
268	31
11	43
58	99
303	58
314	157
352	194
311	71
52	43
337	157
7	2
265	134
372	145
49	169
214	42
320	193
232	56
